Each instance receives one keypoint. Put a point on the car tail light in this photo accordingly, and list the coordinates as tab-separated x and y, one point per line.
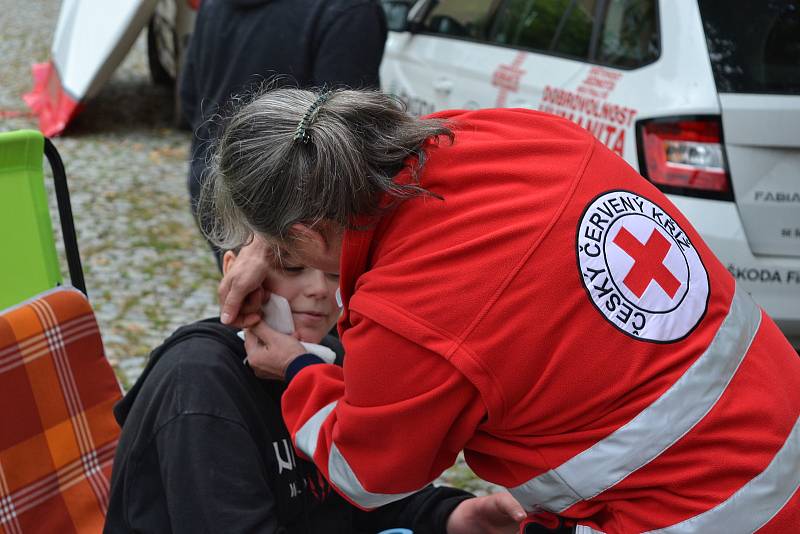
685	156
194	4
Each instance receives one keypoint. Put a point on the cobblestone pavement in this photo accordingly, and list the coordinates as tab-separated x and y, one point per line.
147	269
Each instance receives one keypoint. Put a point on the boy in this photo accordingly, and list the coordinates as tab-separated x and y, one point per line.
204	448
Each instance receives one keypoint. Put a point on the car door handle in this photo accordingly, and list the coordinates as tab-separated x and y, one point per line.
443	85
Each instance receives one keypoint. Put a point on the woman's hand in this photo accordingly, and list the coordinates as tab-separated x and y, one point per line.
240	291
499	513
269	352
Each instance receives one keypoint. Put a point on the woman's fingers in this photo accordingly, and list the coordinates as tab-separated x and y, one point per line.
498	513
270	352
509	506
240	291
263	332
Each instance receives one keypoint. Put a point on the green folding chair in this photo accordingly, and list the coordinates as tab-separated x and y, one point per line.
29	263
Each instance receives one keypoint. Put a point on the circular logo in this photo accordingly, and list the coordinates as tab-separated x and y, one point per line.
640	269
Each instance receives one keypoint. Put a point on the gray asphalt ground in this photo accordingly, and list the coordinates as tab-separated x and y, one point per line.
147	269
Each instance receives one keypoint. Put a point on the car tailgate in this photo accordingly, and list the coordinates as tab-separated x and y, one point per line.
762	142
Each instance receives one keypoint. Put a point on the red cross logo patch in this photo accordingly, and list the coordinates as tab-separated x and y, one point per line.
648	263
640	268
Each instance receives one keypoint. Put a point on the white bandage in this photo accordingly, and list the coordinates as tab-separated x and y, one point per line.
278	316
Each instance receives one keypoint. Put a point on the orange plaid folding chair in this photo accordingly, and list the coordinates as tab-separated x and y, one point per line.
57	390
57	430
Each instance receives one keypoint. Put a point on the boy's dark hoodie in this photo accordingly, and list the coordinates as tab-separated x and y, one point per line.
204	449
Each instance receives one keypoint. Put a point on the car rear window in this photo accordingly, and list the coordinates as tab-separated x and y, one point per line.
754	46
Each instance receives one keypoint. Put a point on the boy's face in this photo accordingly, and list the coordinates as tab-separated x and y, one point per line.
311	294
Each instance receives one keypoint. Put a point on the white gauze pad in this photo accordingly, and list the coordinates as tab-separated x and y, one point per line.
278	316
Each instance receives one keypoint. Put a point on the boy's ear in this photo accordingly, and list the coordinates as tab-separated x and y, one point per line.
227	261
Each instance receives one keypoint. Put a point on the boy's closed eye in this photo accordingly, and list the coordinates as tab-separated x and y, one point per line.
298	269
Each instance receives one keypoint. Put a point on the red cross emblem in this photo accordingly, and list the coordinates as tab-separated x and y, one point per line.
648	262
507	78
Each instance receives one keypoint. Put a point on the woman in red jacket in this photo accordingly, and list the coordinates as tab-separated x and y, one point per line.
514	290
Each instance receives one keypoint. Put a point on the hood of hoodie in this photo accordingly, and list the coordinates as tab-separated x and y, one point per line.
211	328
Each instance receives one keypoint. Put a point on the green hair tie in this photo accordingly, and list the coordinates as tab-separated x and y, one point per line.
301	134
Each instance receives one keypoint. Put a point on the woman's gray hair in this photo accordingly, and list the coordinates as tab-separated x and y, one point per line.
263	177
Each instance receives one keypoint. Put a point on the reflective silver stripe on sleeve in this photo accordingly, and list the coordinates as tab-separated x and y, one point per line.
306	437
343	477
655	428
339	470
755	503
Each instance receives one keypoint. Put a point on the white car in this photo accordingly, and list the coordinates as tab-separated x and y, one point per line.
702	97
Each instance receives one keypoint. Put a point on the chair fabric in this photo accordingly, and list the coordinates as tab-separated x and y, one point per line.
57	430
26	233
